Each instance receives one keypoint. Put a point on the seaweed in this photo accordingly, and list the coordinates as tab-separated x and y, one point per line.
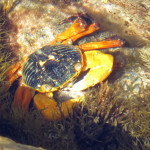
145	56
102	121
3	54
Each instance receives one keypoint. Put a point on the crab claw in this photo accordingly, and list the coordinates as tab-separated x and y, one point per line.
100	66
23	97
50	108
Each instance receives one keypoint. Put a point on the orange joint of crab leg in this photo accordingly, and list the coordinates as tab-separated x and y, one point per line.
101	45
12	70
47	106
92	28
23	97
100	66
50	109
13	73
78	26
7	6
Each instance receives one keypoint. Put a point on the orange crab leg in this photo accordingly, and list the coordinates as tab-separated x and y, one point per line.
11	74
78	26
14	72
50	109
47	106
7	6
101	45
92	28
23	97
79	29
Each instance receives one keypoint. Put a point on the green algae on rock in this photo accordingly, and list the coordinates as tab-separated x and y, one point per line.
4	55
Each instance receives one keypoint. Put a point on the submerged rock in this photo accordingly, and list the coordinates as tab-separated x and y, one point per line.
6	143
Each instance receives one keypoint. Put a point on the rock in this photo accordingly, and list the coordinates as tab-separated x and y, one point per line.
8	144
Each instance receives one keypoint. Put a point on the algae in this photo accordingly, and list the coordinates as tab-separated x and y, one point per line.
145	56
102	121
3	54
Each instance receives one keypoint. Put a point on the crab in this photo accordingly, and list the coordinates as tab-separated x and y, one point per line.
7	6
62	65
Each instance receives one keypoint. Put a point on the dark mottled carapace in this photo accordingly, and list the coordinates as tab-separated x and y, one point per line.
52	65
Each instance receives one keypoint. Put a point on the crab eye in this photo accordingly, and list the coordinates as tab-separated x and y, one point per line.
77	66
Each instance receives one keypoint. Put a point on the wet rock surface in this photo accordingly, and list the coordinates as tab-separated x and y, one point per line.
127	18
8	144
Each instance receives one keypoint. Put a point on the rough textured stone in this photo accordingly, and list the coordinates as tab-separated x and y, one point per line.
127	18
8	144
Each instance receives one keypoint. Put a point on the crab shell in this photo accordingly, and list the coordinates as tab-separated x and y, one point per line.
52	67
